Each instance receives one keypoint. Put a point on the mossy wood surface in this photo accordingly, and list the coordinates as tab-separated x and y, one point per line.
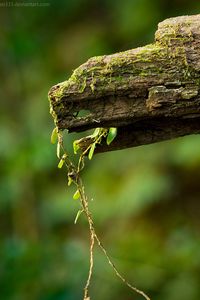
151	93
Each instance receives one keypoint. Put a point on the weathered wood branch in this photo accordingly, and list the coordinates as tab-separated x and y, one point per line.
151	93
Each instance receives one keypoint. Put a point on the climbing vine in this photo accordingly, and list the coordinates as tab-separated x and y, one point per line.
87	145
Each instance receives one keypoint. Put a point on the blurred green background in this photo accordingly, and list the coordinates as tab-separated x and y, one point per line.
145	200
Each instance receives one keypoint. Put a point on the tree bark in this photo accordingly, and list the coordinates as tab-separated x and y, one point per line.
150	93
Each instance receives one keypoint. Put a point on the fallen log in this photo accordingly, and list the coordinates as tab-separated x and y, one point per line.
150	93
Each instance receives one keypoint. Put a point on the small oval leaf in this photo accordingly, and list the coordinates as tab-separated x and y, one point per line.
54	135
76	195
77	216
96	132
61	162
91	152
58	150
111	135
75	147
69	181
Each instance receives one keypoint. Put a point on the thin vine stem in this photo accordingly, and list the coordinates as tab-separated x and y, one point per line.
74	174
84	203
93	234
117	272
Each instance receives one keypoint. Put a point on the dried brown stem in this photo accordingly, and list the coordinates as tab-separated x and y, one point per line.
93	236
75	173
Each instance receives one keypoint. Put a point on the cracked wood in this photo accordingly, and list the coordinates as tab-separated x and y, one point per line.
150	93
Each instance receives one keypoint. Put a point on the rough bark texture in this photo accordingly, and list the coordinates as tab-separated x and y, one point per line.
150	93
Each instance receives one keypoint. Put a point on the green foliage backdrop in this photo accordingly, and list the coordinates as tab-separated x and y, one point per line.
145	200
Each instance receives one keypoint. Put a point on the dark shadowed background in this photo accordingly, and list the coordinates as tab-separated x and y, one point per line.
146	200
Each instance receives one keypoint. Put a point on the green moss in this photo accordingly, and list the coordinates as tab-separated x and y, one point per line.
189	93
106	74
197	81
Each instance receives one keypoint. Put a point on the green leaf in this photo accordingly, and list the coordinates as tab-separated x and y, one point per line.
91	152
61	162
96	132
76	195
58	150
75	147
77	216
69	181
54	135
111	135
